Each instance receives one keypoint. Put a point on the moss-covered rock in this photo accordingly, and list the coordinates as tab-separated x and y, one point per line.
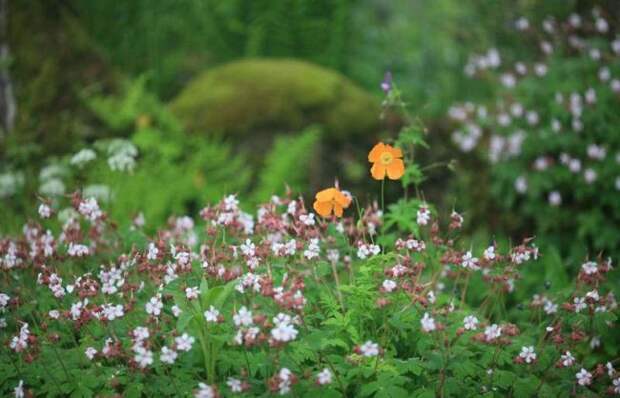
276	94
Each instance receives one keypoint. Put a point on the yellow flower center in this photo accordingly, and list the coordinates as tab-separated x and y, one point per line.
386	158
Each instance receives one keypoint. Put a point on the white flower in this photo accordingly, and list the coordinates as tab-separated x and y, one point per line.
469	261
324	377
580	304
211	314
616	383
89	208
389	285
369	349
235	385
90	352
54	314
44	211
521	185
428	323
143	357
168	355
492	332
307	219
550	307
184	342
567	359
19	390
470	322
284	332
589	267
191	293
176	311
82	157
489	253
313	250
584	378
589	175
528	354
205	391
154	306
243	317
555	199
153	252
423	215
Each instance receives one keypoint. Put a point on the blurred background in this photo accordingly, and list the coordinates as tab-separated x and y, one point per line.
160	106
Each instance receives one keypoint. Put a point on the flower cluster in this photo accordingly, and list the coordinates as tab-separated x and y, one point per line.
549	136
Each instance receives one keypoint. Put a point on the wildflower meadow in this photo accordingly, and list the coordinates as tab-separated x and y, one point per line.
302	221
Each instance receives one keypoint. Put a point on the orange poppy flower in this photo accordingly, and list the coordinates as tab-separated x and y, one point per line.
386	160
331	200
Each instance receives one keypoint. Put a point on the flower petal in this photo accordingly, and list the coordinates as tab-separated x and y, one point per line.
342	199
396	169
338	210
396	152
378	171
375	152
324	209
326	195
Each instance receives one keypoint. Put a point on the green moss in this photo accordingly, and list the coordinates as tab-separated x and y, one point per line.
276	94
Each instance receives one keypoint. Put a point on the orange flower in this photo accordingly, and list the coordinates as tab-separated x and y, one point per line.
331	200
386	160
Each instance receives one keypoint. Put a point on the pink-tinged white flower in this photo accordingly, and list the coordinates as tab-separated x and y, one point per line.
584	378
528	354
470	322
54	314
616	385
593	295
307	219
90	353
324	377
580	304
205	391
469	261
176	311
369	349
168	355
191	293
19	390
489	253
143	357
285	381
184	342
428	323
550	307
211	314
423	215
234	384
89	208
389	285
77	250
243	317
567	359
313	249
283	331
45	211
492	332
589	267
153	252
154	306
610	369
364	251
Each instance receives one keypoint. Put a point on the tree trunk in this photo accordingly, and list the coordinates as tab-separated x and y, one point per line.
8	108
